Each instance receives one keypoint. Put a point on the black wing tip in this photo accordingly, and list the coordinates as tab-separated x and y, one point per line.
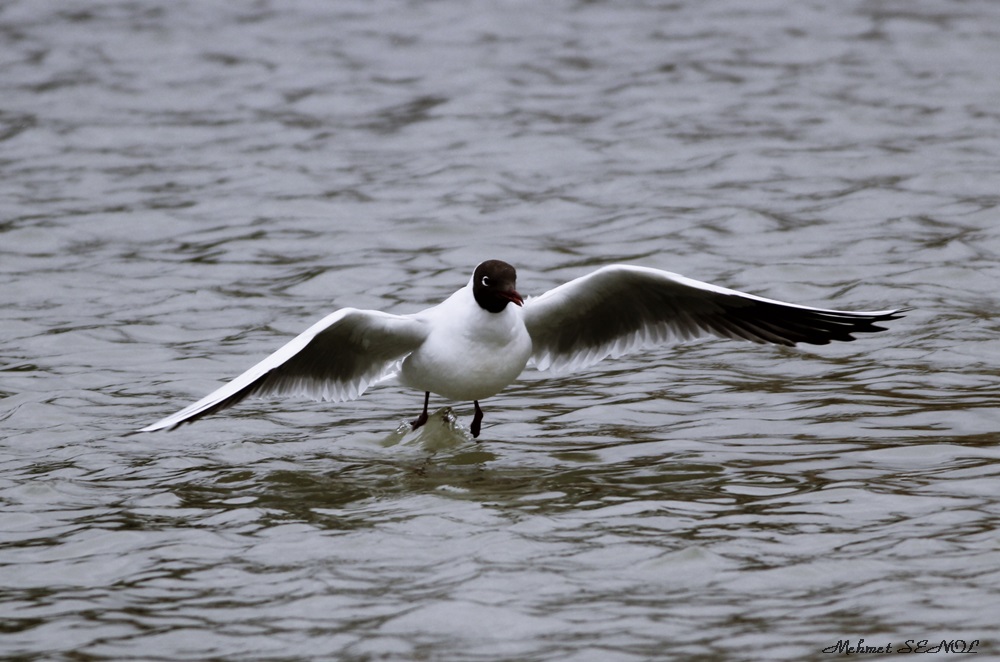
171	428
886	316
165	428
898	313
225	403
860	323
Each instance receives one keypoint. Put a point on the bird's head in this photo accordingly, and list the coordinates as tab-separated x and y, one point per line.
493	284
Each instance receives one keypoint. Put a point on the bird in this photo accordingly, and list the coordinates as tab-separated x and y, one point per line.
480	339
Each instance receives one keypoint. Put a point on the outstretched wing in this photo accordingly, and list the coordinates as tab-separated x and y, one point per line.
335	359
620	308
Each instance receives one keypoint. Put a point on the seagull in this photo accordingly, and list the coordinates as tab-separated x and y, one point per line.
480	339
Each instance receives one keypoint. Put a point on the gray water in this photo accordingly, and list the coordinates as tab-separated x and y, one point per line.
186	185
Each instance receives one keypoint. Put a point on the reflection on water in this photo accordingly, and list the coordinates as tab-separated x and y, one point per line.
187	186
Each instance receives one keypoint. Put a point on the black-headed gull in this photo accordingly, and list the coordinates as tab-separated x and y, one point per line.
475	343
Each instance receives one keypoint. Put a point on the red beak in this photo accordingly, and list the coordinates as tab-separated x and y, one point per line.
513	296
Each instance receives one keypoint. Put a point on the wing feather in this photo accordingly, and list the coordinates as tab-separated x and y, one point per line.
335	359
621	308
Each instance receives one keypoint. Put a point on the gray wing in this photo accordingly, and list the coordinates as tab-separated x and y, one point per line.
621	308
335	359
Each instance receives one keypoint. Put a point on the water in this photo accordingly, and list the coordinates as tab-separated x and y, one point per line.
188	184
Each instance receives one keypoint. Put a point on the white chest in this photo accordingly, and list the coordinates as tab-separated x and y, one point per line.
470	353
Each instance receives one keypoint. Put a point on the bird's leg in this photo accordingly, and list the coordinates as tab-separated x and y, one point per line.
476	420
420	420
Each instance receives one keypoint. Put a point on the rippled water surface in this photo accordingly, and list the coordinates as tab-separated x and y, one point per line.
188	184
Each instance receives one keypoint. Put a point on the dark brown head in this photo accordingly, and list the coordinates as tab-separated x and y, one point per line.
493	286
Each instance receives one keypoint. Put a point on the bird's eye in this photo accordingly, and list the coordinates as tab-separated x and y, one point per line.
485	281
